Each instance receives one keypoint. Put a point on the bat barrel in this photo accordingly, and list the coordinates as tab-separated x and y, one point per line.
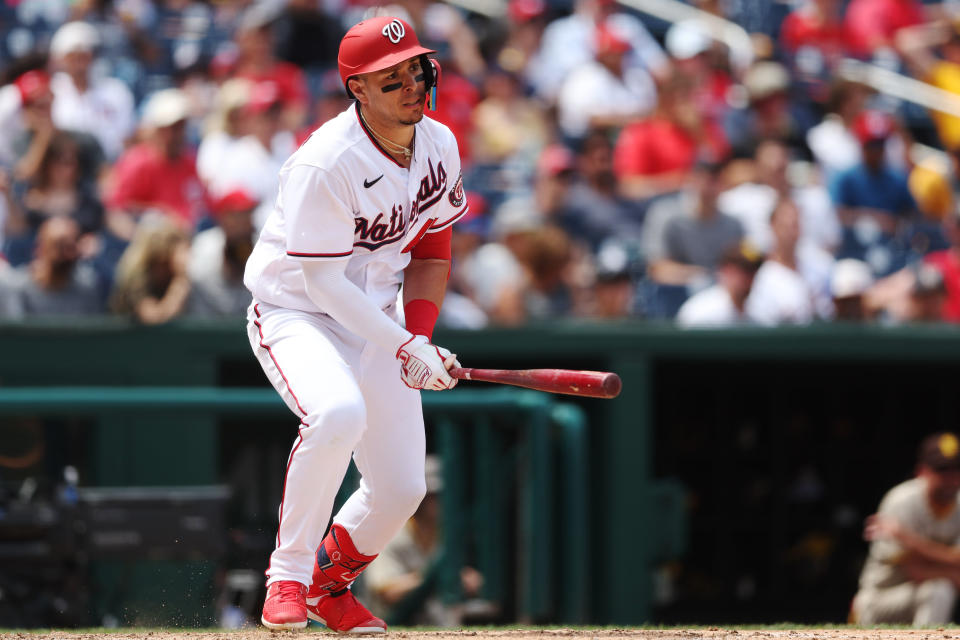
593	384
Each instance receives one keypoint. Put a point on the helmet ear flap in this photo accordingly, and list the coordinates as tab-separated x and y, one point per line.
431	71
431	78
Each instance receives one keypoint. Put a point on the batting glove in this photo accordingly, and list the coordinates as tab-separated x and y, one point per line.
424	365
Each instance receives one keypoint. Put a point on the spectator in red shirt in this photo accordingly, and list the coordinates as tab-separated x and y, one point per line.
158	173
817	24
257	62
813	37
656	155
871	24
948	262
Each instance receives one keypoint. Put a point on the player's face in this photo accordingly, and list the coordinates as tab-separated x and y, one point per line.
396	95
942	486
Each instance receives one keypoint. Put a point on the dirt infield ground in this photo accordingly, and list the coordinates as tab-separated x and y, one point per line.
715	633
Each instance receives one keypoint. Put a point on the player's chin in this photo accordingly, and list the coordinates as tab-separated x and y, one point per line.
412	119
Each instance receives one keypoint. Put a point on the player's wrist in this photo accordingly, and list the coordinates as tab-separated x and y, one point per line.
421	317
407	344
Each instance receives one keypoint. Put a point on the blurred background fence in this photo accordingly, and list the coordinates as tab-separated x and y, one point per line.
728	482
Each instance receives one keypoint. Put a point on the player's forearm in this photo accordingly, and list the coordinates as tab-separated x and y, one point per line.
426	279
424	286
924	550
327	285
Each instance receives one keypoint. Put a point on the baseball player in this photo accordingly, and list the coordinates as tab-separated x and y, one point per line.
365	204
912	571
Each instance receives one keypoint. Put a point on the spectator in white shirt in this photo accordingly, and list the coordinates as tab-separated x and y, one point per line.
789	282
253	162
82	101
724	303
225	126
568	42
604	92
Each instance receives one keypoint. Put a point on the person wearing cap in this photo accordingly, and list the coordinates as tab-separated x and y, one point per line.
912	570
849	283
83	101
254	160
24	113
873	198
364	213
724	303
218	256
694	52
569	42
602	92
158	173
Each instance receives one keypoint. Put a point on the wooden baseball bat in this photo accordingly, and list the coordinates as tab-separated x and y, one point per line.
593	384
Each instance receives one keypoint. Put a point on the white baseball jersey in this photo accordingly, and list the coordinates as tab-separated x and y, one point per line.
341	195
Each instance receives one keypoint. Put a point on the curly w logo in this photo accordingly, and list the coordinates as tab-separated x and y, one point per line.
394	31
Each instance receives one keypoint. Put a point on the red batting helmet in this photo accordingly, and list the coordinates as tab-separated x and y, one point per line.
379	43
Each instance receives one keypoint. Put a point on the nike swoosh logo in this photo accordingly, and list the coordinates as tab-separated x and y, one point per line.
370	183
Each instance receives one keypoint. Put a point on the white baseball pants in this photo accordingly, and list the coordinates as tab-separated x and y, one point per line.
350	400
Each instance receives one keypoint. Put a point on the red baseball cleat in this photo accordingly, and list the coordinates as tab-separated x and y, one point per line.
285	606
344	613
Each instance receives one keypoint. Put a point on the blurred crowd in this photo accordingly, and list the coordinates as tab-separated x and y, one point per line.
617	165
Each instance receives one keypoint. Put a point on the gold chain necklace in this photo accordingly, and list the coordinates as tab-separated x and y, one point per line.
406	152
